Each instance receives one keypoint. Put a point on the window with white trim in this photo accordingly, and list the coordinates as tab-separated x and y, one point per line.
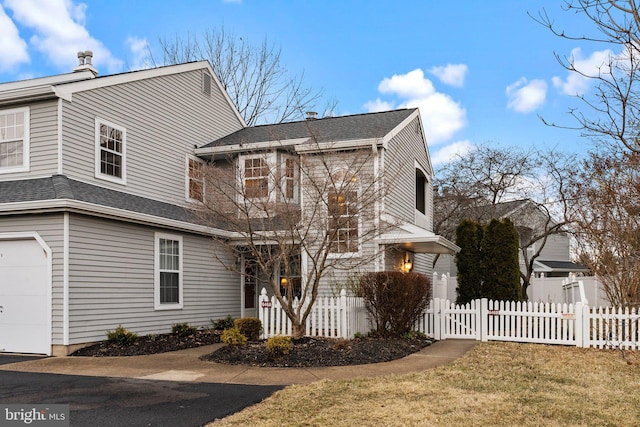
289	176
195	179
14	140
344	217
168	271
256	177
111	141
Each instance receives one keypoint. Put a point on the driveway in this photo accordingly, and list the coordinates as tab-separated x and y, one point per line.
105	401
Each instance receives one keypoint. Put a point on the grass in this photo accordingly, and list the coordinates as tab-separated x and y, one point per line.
495	384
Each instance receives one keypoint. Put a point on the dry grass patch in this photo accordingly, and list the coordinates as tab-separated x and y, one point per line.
494	384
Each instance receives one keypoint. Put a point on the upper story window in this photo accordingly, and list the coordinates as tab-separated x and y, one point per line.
344	217
111	143
290	177
14	140
421	192
256	177
195	179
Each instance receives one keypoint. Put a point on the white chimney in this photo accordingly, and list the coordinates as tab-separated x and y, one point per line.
312	115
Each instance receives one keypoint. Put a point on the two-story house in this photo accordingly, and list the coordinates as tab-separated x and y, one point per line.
98	176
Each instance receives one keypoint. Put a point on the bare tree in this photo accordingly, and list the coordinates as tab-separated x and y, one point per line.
489	182
297	216
607	220
253	75
611	114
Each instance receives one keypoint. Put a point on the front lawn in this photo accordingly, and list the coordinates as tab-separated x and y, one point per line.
495	384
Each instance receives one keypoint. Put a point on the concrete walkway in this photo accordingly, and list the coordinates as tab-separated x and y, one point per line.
185	365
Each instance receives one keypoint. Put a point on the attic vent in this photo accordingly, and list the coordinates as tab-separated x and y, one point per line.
206	83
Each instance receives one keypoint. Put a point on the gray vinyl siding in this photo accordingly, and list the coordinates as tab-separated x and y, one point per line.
111	280
50	227
164	118
404	149
556	249
43	141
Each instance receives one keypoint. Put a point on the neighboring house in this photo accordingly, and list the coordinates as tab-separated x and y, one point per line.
97	177
530	220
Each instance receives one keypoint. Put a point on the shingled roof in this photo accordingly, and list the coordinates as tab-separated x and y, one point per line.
328	129
59	187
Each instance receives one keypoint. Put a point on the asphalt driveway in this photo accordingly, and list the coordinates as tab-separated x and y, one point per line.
105	401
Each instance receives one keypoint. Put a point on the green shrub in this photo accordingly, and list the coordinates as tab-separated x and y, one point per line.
359	336
250	327
183	329
122	336
233	337
414	335
395	300
223	324
279	345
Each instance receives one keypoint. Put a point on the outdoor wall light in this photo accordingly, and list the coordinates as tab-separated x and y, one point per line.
407	264
283	281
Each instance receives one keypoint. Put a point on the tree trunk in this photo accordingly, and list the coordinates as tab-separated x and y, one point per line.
297	330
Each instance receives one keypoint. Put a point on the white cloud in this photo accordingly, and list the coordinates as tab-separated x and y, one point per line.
60	32
139	50
410	85
451	74
450	152
378	105
578	83
524	96
13	50
441	115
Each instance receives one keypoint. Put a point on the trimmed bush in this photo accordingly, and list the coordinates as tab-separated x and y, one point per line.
223	324
250	327
279	345
122	336
395	300
183	329
233	338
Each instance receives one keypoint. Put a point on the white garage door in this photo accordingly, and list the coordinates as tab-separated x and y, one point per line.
24	299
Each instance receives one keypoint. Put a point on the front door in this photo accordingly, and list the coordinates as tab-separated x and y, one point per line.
250	289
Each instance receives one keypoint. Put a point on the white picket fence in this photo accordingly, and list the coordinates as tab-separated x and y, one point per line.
482	320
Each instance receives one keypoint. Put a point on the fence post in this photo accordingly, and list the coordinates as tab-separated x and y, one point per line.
436	318
579	325
444	305
262	312
477	305
484	319
343	314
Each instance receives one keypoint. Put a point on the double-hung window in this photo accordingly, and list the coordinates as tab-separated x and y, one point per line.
168	271
195	179
14	140
289	177
343	220
256	177
111	141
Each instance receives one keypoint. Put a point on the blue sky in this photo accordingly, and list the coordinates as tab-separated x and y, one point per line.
482	72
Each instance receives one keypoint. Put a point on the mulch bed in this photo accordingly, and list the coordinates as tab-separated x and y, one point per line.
307	352
318	352
152	344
